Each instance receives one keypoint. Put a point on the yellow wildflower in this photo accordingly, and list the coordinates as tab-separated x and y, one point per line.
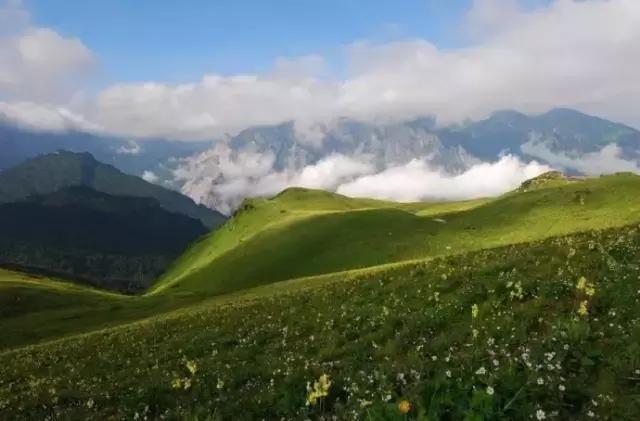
404	406
474	311
582	310
176	383
192	366
590	291
319	391
582	284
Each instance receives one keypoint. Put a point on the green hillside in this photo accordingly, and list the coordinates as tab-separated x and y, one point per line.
37	308
303	233
116	242
542	330
49	173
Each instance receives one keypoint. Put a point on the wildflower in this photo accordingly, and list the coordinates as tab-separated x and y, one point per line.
192	366
319	391
90	403
591	414
474	311
590	291
582	284
474	332
582	310
176	383
540	381
404	406
481	371
220	384
448	373
490	390
540	414
562	388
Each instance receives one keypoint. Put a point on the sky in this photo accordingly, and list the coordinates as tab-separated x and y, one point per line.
161	40
196	70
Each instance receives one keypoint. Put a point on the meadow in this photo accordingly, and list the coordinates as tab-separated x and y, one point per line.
526	306
545	330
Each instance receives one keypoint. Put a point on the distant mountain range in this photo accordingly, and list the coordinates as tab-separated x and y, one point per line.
221	174
51	172
564	139
18	144
114	242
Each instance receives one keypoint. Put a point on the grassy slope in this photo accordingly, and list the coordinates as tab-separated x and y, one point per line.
288	208
36	308
404	332
305	233
275	251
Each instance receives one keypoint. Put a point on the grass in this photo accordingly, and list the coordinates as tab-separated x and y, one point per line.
466	310
35	308
400	333
289	237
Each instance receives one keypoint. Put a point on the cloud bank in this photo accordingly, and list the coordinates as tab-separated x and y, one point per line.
579	54
605	161
252	175
416	181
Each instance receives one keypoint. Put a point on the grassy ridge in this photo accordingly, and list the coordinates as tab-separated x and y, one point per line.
289	237
407	332
292	206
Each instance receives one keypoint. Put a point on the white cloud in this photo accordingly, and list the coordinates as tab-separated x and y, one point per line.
605	161
37	116
416	181
132	148
579	54
222	179
150	176
13	17
38	63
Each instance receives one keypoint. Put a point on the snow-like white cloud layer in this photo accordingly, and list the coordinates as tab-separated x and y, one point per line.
416	181
251	175
605	161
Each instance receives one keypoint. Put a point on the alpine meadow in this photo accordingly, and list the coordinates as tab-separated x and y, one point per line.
420	210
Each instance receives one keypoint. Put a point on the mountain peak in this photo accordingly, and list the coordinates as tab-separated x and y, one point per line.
547	179
49	173
503	115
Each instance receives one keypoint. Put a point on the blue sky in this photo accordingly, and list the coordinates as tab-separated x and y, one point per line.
180	41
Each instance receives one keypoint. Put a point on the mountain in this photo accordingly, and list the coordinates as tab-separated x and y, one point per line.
49	173
131	156
262	160
224	175
115	242
562	130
